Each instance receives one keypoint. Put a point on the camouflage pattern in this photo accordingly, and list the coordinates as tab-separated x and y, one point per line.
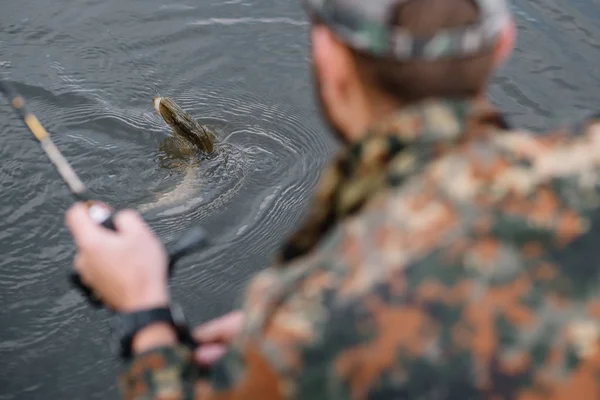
363	168
364	25
458	263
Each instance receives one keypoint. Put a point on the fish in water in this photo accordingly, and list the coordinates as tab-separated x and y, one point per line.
185	150
186	130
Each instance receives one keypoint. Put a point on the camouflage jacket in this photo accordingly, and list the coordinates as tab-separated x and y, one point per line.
448	256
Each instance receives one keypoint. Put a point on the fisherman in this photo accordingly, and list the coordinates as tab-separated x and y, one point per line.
446	255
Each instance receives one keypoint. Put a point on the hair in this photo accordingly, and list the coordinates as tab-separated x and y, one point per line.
415	80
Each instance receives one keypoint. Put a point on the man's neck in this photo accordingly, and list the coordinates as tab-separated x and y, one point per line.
369	114
382	108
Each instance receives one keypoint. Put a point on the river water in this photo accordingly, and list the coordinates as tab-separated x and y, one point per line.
241	67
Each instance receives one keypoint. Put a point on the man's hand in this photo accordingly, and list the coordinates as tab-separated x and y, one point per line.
215	336
128	268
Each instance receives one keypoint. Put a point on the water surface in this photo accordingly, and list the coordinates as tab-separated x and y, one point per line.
241	66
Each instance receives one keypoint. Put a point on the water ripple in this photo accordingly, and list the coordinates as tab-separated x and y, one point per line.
248	20
242	68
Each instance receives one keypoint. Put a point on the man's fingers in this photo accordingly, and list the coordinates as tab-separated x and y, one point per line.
84	229
78	262
77	220
207	355
129	221
222	329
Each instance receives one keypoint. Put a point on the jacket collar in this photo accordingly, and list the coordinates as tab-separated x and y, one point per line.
392	149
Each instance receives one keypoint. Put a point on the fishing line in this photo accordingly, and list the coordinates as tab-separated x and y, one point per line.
130	58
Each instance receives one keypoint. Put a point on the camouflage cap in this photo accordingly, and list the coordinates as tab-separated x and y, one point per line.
365	25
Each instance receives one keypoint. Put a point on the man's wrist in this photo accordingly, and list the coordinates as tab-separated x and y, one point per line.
151	299
158	334
161	325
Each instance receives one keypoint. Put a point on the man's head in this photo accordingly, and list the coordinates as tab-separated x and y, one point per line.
373	56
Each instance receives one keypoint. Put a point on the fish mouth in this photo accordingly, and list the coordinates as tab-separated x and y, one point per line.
156	102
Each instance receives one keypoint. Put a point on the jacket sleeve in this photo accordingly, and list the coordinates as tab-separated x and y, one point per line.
257	366
326	326
169	373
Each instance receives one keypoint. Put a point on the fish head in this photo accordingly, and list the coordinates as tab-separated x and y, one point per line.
184	126
170	112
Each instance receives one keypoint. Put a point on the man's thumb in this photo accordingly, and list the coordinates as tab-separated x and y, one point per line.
80	223
207	355
129	221
222	329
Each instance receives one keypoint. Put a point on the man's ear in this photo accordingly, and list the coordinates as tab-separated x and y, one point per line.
333	63
506	44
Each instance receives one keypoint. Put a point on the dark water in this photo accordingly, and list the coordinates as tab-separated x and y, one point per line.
242	67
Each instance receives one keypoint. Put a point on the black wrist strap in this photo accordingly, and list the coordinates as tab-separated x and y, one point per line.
135	321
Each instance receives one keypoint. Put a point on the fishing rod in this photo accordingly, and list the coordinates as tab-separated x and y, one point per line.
191	241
